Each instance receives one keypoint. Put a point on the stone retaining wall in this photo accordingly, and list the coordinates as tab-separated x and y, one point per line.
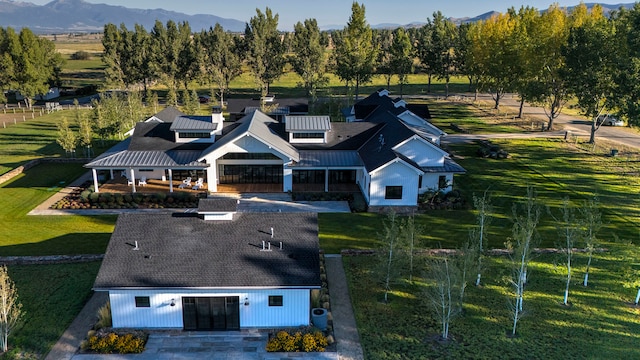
20	169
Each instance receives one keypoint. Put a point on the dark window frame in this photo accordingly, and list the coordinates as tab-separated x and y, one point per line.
393	192
311	135
276	300
143	301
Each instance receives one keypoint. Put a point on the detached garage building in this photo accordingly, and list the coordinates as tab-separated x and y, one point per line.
215	270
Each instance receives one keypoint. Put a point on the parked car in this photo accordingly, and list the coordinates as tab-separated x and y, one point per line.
204	99
609	120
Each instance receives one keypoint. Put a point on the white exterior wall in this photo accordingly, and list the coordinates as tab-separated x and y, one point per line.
394	174
431	182
363	179
287	178
295	311
422	153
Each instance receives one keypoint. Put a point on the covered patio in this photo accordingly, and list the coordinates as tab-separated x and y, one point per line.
119	185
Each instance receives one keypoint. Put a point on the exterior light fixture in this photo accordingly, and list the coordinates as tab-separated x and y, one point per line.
246	301
173	302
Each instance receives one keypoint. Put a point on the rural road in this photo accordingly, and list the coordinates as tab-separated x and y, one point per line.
578	125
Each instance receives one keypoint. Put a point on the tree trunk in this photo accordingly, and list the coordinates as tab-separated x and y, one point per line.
592	135
475	95
637	297
550	123
521	109
429	85
357	88
446	89
478	279
497	100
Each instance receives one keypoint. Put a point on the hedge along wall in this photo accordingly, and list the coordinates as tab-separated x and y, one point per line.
20	169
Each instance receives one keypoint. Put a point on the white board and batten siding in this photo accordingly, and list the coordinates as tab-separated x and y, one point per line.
295	310
396	173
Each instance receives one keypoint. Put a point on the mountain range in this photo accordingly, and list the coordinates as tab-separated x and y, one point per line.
77	16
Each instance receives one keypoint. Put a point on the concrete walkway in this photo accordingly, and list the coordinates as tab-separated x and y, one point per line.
344	321
245	344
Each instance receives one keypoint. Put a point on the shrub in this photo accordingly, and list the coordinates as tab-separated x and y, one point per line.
84	195
104	316
93	197
113	343
80	55
299	341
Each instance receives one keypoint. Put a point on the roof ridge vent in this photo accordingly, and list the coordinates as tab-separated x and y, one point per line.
136	247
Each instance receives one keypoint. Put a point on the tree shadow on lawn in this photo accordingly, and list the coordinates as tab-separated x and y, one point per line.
68	244
47	175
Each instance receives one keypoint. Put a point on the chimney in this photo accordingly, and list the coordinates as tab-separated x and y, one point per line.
218	119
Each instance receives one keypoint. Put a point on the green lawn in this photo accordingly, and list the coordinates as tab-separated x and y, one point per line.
599	324
51	296
47	235
555	168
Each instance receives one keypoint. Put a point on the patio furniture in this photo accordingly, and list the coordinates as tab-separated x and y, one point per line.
142	181
129	182
186	182
199	184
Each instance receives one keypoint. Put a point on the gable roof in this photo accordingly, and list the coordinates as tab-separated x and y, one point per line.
256	124
180	251
168	114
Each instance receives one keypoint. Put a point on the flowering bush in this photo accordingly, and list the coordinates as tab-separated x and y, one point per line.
307	342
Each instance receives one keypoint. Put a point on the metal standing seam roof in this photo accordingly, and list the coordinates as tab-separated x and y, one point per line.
449	166
328	158
193	123
180	251
172	159
168	114
307	123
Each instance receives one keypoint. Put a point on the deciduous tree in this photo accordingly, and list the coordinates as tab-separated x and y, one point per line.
265	49
354	53
309	58
10	307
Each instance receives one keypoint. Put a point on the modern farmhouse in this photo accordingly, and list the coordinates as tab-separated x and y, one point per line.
387	150
214	270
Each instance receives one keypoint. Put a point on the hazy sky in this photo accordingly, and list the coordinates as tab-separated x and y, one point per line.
333	12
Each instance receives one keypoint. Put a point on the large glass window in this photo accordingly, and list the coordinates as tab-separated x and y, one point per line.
308	176
250	174
393	192
194	135
308	135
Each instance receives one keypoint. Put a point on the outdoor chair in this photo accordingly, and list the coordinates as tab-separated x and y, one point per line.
129	182
199	184
143	181
186	182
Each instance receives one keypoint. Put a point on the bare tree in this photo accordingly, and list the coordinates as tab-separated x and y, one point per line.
592	220
411	231
443	292
525	221
391	252
479	235
569	230
468	259
10	307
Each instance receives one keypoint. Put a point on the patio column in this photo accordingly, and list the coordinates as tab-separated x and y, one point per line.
133	180
95	180
111	173
326	180
170	180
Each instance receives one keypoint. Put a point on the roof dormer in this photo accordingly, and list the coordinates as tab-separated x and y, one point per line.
189	128
308	129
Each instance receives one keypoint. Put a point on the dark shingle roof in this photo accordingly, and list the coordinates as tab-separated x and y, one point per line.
168	114
178	251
